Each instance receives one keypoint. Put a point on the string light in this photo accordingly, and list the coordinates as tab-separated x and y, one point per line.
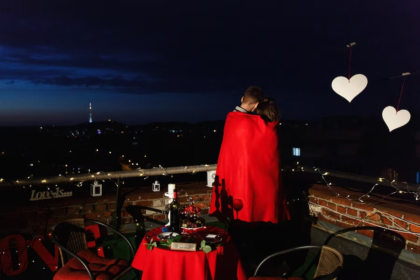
415	194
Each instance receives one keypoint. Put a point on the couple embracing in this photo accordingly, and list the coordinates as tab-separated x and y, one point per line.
248	176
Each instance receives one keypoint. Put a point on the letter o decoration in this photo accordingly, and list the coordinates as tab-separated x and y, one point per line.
6	257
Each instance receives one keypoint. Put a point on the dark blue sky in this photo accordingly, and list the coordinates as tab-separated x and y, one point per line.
192	60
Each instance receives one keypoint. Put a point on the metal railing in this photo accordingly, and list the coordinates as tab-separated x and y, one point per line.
76	178
361	178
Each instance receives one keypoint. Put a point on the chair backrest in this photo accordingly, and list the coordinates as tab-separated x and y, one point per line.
71	234
329	260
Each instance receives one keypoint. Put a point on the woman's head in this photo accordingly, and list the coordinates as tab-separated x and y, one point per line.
267	109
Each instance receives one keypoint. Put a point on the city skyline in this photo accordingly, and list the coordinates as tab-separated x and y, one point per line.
142	63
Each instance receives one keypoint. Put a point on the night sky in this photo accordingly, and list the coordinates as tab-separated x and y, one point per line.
192	60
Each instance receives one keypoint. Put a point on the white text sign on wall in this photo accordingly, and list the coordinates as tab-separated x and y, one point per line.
39	195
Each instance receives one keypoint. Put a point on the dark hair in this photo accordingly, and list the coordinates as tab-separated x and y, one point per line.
267	109
253	95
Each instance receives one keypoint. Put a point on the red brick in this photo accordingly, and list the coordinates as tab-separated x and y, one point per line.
341	209
366	232
350	221
195	197
332	206
363	207
204	211
374	217
125	214
343	225
324	193
392	212
159	217
401	223
59	211
100	207
144	203
183	199
73	210
352	212
412	218
341	201
413	248
111	206
128	220
414	228
87	208
52	221
322	202
200	205
409	237
127	203
102	201
387	221
107	214
330	214
325	219
206	197
93	216
313	200
362	214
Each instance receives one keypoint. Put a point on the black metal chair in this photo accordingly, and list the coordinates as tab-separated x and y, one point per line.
70	237
329	266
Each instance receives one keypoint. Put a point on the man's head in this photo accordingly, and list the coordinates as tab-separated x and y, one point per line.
251	98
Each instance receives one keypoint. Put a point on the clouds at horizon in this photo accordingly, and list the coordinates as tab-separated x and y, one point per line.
208	51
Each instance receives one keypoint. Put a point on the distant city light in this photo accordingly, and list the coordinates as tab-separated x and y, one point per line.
70	151
137	163
214	130
145	156
31	164
122	155
41	127
110	152
97	150
129	160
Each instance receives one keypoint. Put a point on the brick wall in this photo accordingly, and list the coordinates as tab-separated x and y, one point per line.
37	217
396	215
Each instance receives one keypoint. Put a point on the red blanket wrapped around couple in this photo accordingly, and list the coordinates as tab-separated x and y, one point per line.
249	172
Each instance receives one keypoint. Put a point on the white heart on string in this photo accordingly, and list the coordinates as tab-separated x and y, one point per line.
394	119
349	89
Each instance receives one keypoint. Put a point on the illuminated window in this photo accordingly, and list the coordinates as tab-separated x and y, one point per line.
296	152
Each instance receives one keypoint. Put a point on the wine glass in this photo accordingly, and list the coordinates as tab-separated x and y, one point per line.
238	205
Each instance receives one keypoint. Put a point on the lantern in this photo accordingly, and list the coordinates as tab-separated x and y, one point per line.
95	189
156	186
211	176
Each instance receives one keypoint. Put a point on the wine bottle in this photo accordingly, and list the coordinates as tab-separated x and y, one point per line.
174	212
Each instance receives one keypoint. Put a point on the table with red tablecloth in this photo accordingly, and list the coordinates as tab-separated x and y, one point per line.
164	263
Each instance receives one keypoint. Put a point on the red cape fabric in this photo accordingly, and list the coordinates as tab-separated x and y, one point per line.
249	169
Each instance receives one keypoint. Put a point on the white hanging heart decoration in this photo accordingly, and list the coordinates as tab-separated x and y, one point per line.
394	119
349	89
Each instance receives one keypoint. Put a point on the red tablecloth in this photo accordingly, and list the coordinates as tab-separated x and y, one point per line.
222	263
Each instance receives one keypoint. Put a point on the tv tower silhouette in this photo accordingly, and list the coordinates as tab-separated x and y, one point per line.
90	112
